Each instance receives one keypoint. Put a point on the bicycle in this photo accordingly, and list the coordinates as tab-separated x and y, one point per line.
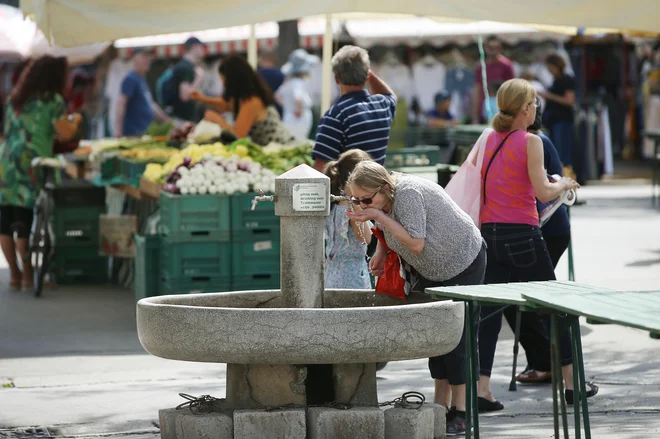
40	248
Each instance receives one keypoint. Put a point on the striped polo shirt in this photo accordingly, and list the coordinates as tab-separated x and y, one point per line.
358	120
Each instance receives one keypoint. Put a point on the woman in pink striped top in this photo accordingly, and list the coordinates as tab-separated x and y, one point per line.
513	178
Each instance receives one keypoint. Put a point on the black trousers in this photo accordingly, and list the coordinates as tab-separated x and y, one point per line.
518	253
537	360
451	366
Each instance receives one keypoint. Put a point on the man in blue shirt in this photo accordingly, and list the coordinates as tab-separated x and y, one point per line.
440	116
271	74
358	119
136	108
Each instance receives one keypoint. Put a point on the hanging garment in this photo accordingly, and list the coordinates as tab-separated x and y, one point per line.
428	80
605	142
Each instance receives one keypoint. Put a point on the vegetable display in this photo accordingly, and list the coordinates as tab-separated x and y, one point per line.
214	175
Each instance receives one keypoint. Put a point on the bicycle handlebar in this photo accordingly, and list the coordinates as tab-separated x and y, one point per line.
49	162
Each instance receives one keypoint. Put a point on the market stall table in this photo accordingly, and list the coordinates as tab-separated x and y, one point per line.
512	294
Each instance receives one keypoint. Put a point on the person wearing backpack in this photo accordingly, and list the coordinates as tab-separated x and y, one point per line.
176	84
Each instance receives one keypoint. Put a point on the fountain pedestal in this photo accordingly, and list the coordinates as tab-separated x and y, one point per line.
293	355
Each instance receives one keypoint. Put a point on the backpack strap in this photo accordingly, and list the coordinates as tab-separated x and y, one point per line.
491	162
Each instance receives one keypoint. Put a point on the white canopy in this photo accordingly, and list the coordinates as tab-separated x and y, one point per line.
366	32
20	39
77	22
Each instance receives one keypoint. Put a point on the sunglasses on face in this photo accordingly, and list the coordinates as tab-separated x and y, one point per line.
365	201
536	103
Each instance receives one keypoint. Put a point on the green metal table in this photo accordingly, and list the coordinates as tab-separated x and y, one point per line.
473	296
514	294
635	309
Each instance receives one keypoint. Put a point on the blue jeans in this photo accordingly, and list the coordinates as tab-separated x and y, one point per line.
561	134
518	253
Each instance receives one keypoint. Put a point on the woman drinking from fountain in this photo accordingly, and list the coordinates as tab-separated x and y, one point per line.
438	241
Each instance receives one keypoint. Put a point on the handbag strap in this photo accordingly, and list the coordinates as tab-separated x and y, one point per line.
491	162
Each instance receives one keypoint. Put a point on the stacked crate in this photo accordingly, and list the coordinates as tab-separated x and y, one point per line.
147	266
195	253
255	244
75	221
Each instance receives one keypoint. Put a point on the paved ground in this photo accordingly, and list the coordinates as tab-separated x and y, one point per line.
77	368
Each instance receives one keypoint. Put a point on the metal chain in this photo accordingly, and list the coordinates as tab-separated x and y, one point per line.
202	404
205	403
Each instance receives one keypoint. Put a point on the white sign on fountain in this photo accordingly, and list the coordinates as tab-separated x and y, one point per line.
310	197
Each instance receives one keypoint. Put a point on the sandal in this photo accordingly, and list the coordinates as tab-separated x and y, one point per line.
533	376
592	390
486	405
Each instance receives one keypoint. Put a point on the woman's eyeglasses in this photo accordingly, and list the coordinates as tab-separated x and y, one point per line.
537	102
365	201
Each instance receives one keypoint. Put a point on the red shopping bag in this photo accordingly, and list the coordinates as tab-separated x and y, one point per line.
391	282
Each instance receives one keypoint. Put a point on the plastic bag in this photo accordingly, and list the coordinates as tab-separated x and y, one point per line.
390	283
465	187
205	131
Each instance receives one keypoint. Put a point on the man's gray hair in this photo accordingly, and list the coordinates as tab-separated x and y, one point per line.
351	65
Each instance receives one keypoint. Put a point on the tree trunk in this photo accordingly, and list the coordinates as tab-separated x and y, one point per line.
288	40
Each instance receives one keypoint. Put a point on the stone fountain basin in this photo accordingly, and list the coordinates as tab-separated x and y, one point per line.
355	326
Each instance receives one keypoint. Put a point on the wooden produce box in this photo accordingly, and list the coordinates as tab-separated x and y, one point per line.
149	188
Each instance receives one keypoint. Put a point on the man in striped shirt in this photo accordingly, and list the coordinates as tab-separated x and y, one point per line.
358	119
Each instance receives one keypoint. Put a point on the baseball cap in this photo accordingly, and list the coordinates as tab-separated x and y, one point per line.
191	42
442	96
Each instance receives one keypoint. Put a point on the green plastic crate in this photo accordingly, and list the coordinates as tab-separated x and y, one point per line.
80	266
77	226
195	284
261	281
131	169
186	259
256	257
110	167
246	223
147	266
415	156
189	218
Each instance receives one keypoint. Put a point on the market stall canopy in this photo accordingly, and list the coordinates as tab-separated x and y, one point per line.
20	39
77	22
365	31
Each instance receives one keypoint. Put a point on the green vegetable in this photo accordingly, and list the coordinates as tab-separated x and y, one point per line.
159	129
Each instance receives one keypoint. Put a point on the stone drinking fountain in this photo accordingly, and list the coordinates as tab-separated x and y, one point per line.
301	362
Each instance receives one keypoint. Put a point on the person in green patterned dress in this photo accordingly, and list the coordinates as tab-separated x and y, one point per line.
35	118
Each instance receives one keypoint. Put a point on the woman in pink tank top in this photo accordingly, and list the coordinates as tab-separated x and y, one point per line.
514	177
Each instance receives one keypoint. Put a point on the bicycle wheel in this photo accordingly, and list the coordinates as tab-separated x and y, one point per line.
40	251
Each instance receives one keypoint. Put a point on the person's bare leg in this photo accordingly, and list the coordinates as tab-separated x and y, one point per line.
28	277
567	373
483	388
458	397
442	393
9	250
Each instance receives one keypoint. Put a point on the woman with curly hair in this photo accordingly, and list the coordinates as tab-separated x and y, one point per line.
35	118
250	100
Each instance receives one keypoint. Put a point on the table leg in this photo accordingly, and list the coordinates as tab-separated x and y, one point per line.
555	383
516	345
577	336
556	365
577	392
472	332
468	372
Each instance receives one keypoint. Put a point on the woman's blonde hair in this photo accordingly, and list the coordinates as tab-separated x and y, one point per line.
369	175
512	97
